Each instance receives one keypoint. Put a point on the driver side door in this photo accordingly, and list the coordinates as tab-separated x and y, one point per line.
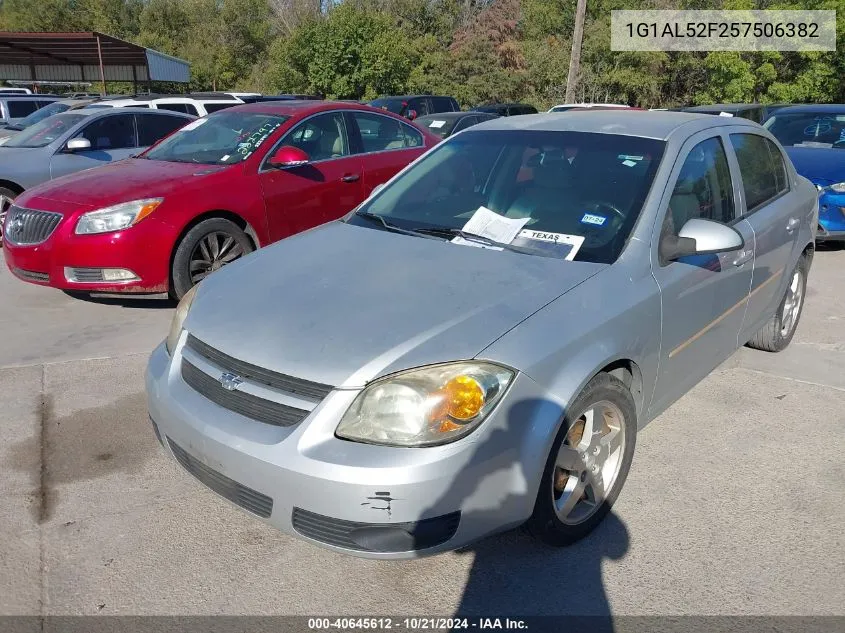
113	137
703	297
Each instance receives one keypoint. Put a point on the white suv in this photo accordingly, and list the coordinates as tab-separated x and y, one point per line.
197	104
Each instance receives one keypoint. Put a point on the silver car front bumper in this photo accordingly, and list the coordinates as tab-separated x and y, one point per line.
365	500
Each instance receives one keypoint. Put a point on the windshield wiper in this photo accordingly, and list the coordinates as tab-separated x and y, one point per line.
481	239
392	227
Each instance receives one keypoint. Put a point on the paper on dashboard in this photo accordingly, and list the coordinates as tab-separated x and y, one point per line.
491	225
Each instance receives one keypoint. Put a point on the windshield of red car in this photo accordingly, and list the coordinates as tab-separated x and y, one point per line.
223	138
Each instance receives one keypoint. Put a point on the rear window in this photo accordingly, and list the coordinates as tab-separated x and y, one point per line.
396	106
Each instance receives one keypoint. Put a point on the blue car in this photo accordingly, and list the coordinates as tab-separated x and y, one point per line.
814	138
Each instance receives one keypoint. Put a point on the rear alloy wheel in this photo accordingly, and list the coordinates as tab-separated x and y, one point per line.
779	330
588	463
206	248
7	197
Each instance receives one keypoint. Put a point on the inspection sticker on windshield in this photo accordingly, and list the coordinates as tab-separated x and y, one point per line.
557	244
437	124
592	218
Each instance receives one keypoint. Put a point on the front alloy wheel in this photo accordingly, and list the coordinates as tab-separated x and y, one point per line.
7	197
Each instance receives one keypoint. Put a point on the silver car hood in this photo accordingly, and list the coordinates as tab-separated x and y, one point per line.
343	304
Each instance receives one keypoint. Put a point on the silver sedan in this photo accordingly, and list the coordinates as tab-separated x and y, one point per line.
475	347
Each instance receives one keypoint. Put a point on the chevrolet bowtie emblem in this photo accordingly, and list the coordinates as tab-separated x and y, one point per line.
230	382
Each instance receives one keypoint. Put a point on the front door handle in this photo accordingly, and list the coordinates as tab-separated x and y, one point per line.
743	257
351	177
792	224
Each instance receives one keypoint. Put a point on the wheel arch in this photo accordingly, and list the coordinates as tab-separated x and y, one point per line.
245	226
8	184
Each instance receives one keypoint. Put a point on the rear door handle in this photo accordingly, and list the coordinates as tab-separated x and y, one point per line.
351	177
743	257
792	224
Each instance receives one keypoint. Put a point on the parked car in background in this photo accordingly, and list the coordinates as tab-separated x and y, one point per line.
217	189
14	107
42	113
814	138
301	97
570	106
750	111
770	108
412	106
447	123
389	393
16	91
198	104
73	141
506	109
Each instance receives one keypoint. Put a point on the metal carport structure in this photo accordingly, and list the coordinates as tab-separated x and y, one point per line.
84	57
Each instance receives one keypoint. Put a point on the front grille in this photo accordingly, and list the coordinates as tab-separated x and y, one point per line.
26	227
247	498
85	275
376	537
246	404
31	275
287	384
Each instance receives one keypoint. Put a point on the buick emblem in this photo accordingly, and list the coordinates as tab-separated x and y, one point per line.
15	225
230	382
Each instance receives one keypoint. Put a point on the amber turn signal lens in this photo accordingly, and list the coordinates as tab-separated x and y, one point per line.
146	210
464	397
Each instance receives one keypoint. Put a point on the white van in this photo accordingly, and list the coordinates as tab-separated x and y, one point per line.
197	104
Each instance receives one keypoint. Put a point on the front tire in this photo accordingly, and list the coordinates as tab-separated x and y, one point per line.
588	463
776	335
207	247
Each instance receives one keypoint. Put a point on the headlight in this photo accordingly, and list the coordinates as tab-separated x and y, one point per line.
839	187
424	407
179	319
117	217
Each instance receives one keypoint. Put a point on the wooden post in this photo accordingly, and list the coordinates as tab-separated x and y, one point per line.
575	58
102	71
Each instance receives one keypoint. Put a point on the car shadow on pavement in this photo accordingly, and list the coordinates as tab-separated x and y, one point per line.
144	302
513	574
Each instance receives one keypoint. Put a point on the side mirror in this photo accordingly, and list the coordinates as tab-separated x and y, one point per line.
412	114
287	156
78	145
700	237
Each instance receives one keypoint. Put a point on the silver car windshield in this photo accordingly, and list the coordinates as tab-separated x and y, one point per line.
223	138
41	114
45	132
567	184
808	129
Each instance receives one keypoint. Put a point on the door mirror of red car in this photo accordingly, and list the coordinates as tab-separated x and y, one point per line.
288	156
412	114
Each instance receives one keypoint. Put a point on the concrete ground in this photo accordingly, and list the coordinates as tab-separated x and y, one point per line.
734	505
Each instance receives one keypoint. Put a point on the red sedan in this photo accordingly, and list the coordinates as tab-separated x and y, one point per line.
213	191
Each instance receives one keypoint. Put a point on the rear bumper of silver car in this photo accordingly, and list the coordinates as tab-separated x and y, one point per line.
365	500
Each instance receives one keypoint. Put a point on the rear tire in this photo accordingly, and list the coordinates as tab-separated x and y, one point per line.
7	196
776	335
594	446
207	247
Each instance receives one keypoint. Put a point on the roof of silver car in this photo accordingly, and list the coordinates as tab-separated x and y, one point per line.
657	125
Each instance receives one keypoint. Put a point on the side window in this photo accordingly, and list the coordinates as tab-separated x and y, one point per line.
111	132
703	189
778	167
22	108
215	107
321	137
420	105
380	133
154	127
441	104
759	179
177	107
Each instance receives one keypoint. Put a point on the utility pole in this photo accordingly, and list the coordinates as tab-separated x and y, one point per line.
575	58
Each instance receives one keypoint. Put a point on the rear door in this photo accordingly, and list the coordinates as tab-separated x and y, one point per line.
386	145
703	297
112	137
153	127
768	206
328	186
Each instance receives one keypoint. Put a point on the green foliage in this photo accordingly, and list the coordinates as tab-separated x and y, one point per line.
475	50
